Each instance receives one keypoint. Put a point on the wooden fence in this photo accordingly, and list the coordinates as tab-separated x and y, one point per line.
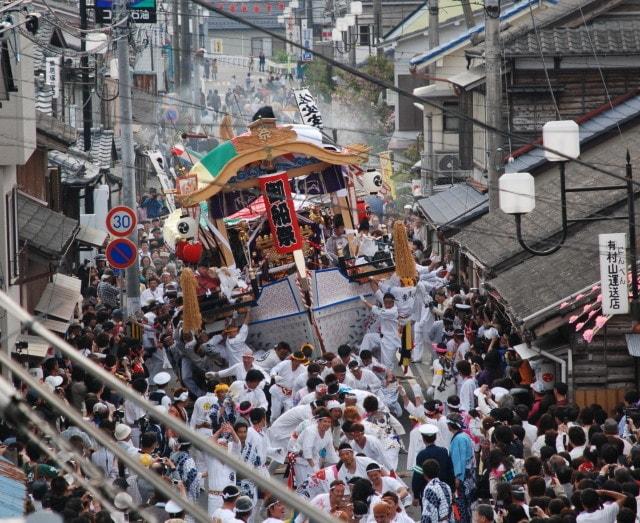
608	398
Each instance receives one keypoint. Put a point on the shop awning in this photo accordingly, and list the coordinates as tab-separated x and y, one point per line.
90	236
47	231
454	206
59	327
60	298
37	347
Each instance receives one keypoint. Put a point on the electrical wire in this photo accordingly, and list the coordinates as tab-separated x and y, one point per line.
544	63
198	440
382	83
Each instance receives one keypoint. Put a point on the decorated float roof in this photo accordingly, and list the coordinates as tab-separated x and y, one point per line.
235	166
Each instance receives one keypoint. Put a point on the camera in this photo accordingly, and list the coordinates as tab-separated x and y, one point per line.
118	414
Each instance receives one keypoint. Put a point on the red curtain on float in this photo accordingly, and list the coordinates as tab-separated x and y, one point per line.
281	212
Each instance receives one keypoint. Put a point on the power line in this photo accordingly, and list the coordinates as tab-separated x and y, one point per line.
382	83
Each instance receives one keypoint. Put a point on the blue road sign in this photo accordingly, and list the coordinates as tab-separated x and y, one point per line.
121	253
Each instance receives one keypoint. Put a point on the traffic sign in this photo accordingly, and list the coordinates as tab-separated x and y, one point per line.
121	221
121	253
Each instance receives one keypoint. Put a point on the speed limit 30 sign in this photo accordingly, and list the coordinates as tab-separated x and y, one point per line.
121	221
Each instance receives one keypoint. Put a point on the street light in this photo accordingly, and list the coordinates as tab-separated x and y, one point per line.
517	190
336	34
341	23
356	8
517	195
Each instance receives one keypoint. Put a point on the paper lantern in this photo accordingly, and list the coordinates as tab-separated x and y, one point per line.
191	252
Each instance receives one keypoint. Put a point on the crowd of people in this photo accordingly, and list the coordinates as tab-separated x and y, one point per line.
487	441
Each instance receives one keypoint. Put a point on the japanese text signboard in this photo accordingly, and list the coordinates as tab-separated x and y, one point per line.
52	77
613	273
308	108
281	213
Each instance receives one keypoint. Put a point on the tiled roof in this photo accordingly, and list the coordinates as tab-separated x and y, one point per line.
460	203
563	273
492	238
75	169
101	147
611	38
44	98
48	231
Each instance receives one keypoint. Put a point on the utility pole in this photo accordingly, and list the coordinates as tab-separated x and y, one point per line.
128	155
494	98
428	164
87	110
377	25
427	152
469	20
350	40
185	46
175	47
309	9
197	61
434	39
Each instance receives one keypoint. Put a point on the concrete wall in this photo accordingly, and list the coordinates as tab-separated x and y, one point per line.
238	42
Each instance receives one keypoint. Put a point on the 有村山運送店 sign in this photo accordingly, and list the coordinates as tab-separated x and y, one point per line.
613	273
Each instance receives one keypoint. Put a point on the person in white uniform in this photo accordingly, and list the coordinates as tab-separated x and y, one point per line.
283	376
226	514
234	341
219	475
315	446
280	430
362	379
250	390
239	370
269	359
387	338
368	445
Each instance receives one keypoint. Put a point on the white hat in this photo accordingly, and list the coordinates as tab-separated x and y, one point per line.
428	429
248	352
122	431
53	381
162	378
333	404
122	501
172	507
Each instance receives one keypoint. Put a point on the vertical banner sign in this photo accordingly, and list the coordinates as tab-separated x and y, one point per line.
613	273
52	75
386	168
308	108
281	212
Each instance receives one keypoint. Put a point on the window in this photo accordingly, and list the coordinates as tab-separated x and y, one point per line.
450	123
365	35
